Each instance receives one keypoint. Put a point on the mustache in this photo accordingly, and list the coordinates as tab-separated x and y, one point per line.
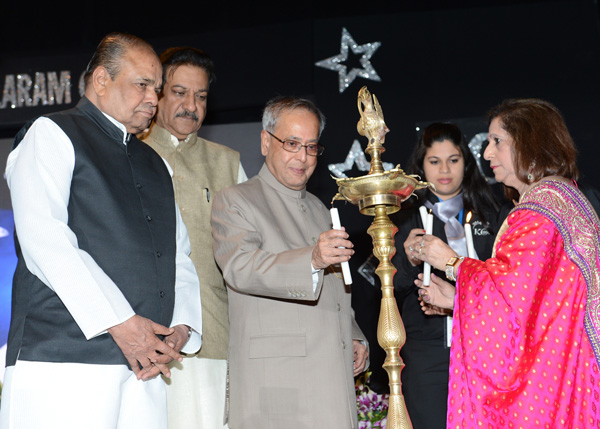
187	114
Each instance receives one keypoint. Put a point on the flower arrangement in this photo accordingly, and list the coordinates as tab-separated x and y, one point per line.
372	407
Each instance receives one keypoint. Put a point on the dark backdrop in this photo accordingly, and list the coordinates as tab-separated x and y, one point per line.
436	62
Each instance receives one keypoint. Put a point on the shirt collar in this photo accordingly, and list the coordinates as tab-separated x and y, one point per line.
162	135
120	126
268	177
176	141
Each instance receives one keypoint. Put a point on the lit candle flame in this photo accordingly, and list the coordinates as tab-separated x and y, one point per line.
469	237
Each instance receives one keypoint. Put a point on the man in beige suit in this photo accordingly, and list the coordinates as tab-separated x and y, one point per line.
196	391
294	345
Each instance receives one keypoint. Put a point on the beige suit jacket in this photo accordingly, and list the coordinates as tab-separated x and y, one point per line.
290	346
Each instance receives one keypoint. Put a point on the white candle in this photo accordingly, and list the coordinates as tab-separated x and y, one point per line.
469	237
427	266
335	220
449	331
423	212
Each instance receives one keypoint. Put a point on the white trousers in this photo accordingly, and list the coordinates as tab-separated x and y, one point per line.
196	393
72	395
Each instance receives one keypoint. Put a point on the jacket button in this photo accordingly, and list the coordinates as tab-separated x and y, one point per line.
162	293
138	185
158	254
148	218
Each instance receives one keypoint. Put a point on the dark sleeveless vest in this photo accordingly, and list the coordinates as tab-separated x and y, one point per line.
122	210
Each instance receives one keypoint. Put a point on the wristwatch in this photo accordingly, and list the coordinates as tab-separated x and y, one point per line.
451	265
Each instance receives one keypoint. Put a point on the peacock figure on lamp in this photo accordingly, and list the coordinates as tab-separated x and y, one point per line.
379	194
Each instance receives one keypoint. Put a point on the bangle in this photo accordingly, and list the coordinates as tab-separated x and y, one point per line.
451	266
189	333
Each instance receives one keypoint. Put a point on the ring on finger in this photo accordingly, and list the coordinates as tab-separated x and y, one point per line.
411	248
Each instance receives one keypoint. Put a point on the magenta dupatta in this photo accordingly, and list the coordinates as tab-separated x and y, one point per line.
525	343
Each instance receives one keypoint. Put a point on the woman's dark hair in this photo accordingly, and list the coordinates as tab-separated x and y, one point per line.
542	143
477	194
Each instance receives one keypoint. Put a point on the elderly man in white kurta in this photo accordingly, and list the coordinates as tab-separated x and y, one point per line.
104	293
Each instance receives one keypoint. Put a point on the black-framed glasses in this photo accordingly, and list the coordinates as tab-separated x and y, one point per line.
312	149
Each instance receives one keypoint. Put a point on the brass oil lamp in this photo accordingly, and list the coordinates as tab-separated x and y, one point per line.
379	194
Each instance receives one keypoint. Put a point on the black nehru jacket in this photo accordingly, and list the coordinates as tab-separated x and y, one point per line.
122	210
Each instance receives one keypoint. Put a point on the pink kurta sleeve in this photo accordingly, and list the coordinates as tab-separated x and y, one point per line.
520	355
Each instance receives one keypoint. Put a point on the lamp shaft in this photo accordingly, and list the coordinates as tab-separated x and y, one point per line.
390	329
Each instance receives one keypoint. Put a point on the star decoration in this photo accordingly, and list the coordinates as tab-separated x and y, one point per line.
355	156
367	269
475	146
335	63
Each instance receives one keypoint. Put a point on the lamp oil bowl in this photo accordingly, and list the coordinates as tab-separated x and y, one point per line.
388	188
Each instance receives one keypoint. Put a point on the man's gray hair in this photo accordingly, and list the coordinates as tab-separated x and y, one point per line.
277	105
111	50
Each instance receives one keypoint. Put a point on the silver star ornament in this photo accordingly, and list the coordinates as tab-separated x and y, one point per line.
335	63
356	155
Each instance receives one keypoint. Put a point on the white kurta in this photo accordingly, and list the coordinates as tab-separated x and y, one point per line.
197	388
39	173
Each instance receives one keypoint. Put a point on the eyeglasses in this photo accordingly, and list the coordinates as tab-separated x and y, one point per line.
312	149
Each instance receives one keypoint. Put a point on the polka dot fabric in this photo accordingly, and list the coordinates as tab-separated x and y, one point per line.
520	355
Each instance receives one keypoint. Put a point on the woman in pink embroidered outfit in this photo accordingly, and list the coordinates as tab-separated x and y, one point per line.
525	343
